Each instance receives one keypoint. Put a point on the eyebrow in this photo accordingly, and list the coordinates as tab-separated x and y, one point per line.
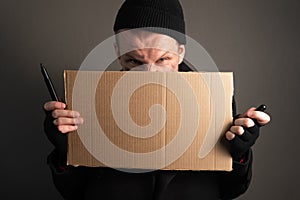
137	57
164	54
133	57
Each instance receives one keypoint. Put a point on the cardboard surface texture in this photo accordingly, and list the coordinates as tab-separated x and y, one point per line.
150	120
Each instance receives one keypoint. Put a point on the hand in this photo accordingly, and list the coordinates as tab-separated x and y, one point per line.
58	122
245	131
65	120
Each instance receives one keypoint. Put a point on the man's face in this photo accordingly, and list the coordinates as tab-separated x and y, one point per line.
147	51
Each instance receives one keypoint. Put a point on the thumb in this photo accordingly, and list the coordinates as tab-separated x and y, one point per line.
261	117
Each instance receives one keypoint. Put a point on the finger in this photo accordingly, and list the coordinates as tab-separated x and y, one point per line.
245	122
67	128
52	105
247	113
68	121
65	113
245	136
239	130
229	135
261	117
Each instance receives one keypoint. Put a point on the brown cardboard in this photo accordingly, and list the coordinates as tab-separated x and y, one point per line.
107	105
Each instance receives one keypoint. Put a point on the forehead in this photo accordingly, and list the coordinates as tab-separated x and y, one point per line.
136	39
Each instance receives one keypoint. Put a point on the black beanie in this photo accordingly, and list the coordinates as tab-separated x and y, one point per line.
161	16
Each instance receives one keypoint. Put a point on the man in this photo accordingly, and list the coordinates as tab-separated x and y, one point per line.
166	53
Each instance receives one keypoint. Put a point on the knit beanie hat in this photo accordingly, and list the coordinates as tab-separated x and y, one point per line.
160	16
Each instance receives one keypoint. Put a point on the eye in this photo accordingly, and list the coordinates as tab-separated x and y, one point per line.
163	59
134	61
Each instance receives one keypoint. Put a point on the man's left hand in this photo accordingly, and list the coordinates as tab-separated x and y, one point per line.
245	130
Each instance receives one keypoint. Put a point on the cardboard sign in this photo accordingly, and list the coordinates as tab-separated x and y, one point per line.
150	120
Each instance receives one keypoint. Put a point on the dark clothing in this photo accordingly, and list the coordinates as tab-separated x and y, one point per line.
86	183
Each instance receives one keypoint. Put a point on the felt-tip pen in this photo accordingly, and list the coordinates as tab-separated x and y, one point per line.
49	83
261	108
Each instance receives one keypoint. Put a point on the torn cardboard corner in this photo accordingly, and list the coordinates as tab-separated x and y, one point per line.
150	120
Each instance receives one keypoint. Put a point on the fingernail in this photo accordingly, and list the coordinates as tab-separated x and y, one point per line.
230	137
75	127
55	122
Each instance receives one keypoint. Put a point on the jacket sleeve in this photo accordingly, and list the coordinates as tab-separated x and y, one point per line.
69	181
236	182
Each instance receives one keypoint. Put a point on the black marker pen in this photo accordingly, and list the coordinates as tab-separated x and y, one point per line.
49	83
261	108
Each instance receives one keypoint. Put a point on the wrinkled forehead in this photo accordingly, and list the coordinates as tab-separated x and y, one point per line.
136	39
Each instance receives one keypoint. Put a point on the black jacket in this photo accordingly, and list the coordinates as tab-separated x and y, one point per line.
87	183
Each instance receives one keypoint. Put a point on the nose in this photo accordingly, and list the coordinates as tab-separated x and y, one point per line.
151	67
148	66
156	68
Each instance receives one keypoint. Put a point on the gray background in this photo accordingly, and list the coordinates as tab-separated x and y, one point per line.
257	40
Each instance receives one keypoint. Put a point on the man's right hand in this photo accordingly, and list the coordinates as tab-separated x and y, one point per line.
65	120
